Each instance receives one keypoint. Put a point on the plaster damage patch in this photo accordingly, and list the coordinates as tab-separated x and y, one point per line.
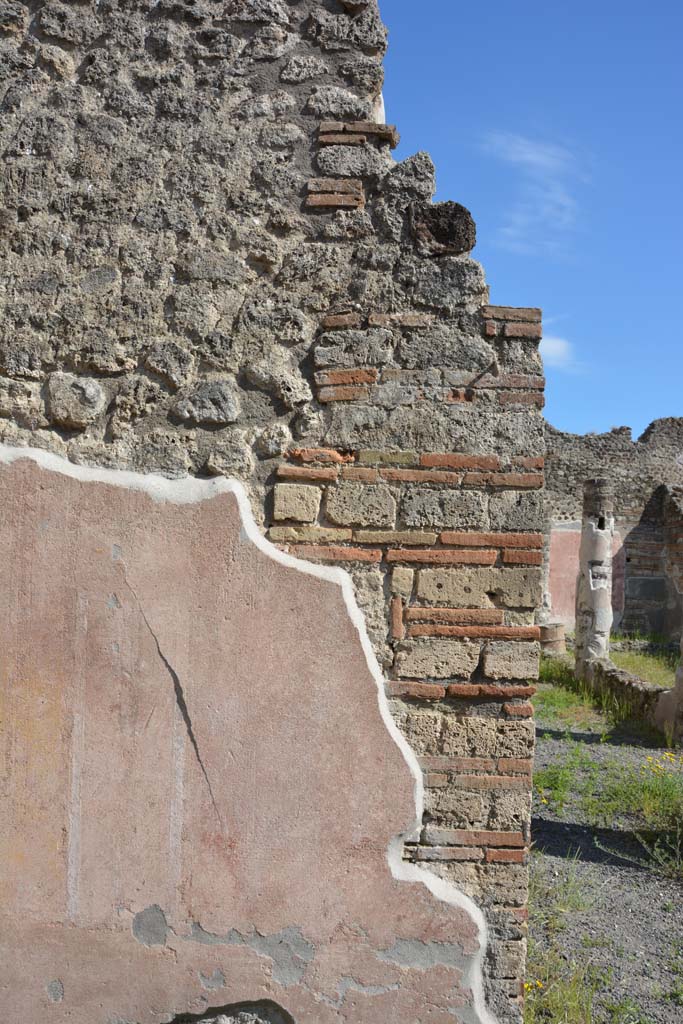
308	807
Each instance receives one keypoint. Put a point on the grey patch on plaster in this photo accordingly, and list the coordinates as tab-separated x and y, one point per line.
149	926
116	552
288	949
351	985
113	602
212	981
55	991
423	955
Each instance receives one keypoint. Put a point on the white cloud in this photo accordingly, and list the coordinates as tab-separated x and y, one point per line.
544	210
558	353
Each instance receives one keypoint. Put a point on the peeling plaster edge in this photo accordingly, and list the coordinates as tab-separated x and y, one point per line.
191	490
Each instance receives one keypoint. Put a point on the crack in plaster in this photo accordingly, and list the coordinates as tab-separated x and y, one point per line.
191	490
179	693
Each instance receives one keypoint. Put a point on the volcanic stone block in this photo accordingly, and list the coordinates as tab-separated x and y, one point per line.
441	229
300	502
504	660
358	505
74	402
438	659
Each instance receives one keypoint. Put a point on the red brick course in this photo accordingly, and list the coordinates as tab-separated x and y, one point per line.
463	616
490	540
478	632
412	689
323	474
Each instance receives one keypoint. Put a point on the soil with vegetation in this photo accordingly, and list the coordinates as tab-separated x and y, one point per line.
606	932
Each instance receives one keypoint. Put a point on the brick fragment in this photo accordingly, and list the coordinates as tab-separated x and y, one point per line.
518	710
329	455
386	132
446	853
516	764
394	537
317	473
487	783
463	616
344	186
416	691
343	394
452	461
529	461
478	837
520	481
337	554
445	763
435	780
331	126
478	632
491	328
357	376
522	330
488	540
360	473
461	395
488	691
521	398
340	321
439	557
335	200
525	313
342	140
397	627
516	557
420	476
505	856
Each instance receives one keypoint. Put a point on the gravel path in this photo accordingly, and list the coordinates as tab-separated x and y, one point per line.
628	920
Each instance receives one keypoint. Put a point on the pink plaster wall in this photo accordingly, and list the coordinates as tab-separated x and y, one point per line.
563	570
199	787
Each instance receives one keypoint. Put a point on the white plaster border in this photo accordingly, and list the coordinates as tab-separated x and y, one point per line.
190	490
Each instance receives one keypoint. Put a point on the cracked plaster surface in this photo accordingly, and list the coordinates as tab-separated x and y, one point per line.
284	877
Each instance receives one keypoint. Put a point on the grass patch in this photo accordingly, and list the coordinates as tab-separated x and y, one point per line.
557	991
562	991
556	783
567	702
658	669
651	794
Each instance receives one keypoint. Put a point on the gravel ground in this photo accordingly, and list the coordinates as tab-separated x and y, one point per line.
628	921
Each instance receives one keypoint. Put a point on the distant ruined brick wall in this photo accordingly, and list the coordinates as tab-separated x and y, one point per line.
645	596
212	265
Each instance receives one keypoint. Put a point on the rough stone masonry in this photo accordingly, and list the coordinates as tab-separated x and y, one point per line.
211	265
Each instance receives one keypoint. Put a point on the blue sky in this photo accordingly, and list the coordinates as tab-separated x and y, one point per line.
560	127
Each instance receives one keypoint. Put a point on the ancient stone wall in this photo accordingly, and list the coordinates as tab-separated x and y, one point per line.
645	598
212	265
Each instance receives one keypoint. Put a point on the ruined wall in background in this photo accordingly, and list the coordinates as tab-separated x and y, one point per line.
212	265
645	595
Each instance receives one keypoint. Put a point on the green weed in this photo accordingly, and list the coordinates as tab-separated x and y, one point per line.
658	669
